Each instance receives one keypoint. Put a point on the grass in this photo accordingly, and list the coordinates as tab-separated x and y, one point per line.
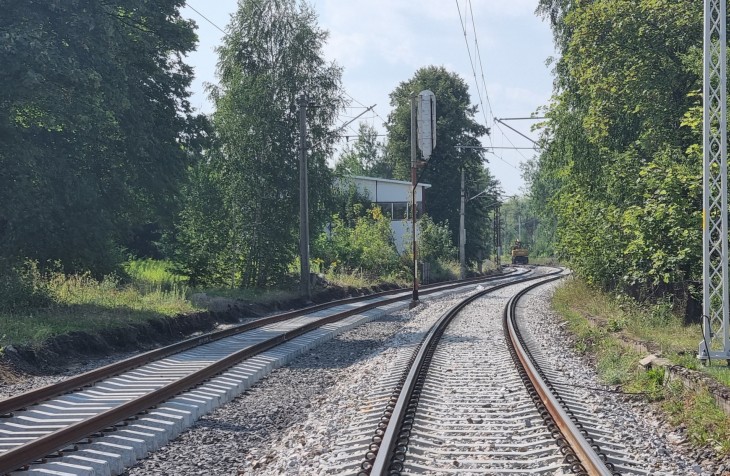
706	424
599	323
153	274
150	289
677	341
82	303
544	261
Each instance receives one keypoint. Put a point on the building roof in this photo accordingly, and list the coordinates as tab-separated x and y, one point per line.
377	179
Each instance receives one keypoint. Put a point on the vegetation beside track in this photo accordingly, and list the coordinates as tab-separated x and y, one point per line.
603	324
79	302
55	303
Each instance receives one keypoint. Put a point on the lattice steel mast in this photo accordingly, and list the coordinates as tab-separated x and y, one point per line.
716	338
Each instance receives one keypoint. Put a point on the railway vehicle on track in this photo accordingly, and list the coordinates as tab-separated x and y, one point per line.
520	253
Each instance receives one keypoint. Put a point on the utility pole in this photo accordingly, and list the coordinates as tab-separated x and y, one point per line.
498	236
462	231
414	184
715	280
305	287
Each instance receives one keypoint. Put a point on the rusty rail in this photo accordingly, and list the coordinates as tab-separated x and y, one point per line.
37	449
385	456
569	436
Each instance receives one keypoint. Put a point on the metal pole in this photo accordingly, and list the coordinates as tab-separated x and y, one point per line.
462	232
305	287
715	306
499	237
414	179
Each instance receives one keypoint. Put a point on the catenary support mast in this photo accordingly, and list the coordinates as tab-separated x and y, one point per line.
305	284
716	341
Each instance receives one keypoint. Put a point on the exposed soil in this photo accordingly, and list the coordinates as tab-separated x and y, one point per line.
58	352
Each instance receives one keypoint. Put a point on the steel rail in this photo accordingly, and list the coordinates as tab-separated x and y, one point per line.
392	445
30	452
591	462
77	382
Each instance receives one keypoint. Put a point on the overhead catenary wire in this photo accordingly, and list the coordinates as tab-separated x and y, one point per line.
476	81
363	105
206	18
484	84
471	61
481	65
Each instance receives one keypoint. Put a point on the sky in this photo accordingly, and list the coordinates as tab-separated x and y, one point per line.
381	43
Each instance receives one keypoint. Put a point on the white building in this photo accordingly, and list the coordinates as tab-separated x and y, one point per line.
394	199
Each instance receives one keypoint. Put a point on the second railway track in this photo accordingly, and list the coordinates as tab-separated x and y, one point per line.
103	421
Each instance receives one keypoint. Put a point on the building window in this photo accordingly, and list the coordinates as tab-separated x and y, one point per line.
400	210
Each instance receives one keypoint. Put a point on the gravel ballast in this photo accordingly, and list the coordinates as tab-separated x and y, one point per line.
292	422
289	423
320	394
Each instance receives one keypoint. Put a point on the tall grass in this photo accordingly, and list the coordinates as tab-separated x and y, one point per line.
154	274
600	322
80	302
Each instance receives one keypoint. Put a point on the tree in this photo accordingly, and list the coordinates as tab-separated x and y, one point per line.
95	128
455	126
364	157
542	187
621	165
271	55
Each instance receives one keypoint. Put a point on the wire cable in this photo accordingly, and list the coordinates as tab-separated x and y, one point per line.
473	69
484	83
205	18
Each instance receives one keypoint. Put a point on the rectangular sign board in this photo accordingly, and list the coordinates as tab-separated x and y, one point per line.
426	120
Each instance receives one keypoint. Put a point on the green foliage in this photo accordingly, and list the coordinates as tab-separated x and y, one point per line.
621	169
455	125
203	240
349	203
542	234
154	274
80	302
434	241
585	309
696	409
366	247
365	157
443	270
246	233
23	286
520	222
95	125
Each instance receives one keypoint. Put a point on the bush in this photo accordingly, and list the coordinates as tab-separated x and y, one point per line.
434	240
23	286
154	274
367	247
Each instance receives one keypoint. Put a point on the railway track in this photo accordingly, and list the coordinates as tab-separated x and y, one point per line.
472	399
103	421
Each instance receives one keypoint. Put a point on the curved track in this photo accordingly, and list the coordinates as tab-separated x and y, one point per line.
103	420
472	400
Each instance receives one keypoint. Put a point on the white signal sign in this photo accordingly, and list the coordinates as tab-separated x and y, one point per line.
426	120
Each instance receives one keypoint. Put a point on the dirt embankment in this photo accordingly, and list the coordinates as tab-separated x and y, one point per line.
58	352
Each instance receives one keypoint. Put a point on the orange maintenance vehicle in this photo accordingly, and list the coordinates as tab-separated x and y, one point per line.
519	253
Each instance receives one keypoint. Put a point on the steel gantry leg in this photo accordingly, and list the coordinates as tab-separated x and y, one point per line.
715	327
